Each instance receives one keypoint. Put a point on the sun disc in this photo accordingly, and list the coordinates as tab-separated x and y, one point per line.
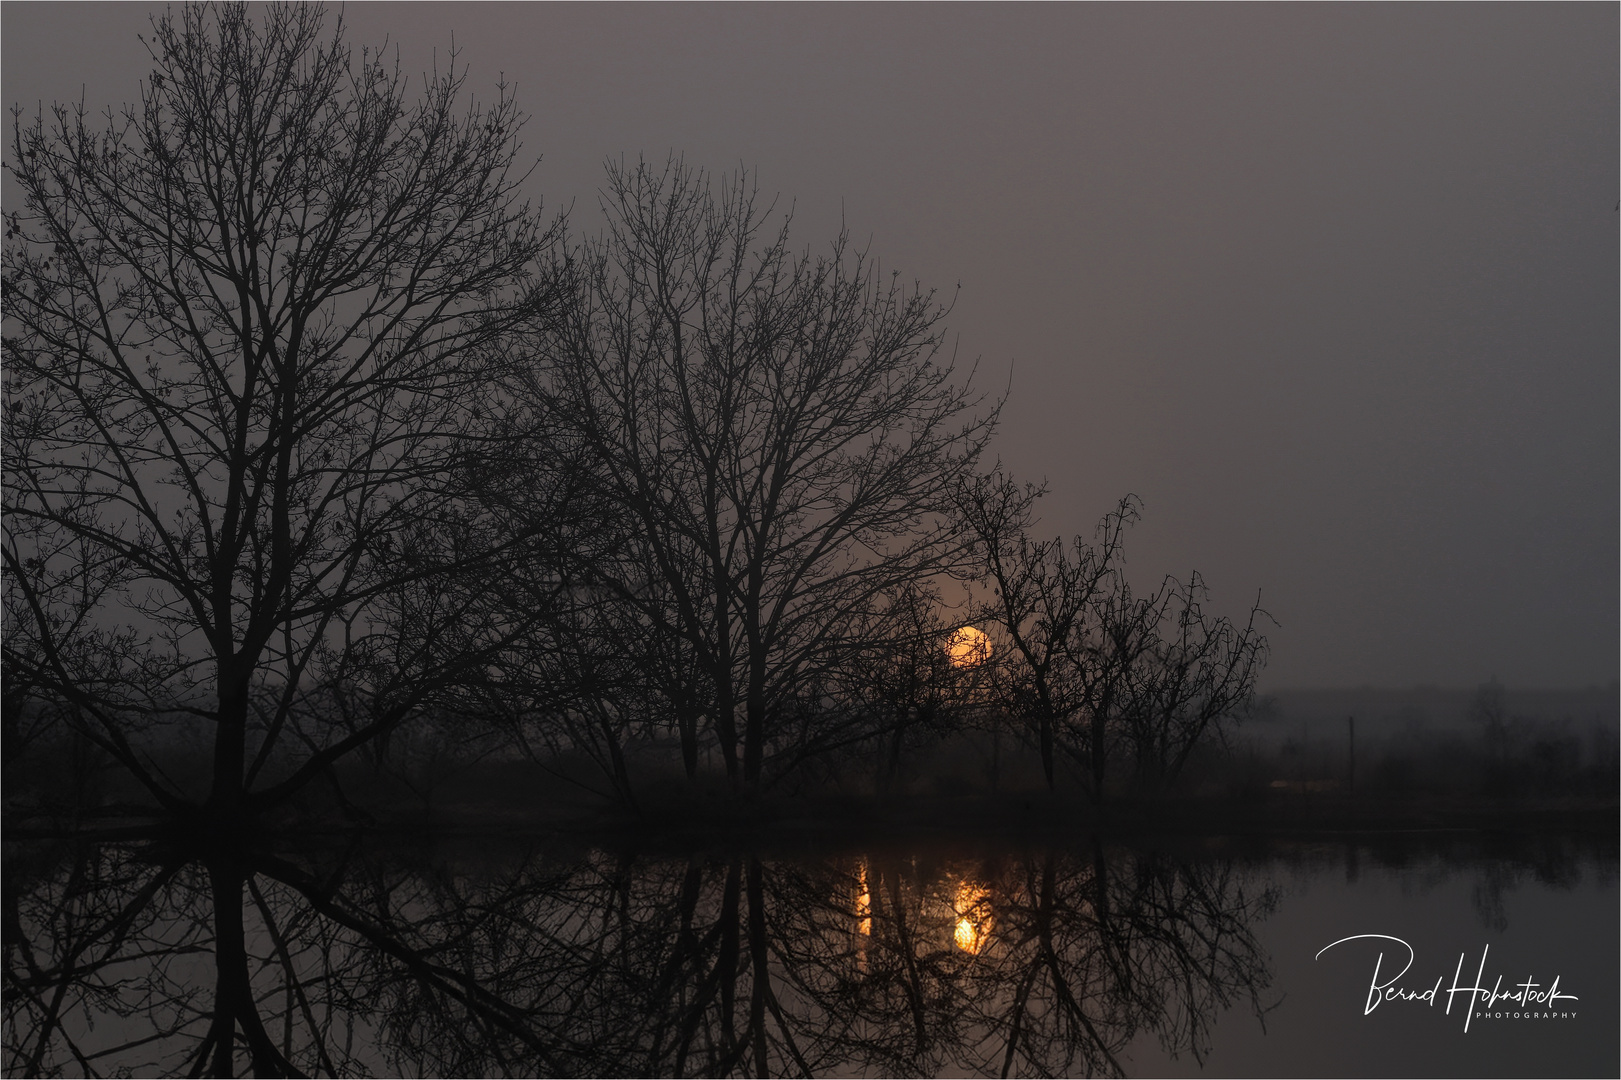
967	646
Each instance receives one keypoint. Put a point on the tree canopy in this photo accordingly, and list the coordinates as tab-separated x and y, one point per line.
317	430
251	330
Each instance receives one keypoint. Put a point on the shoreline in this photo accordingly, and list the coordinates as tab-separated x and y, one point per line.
1013	819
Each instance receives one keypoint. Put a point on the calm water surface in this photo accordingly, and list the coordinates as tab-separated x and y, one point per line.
987	957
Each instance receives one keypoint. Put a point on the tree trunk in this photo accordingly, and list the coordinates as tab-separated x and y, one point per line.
726	961
892	768
754	740
234	1006
226	800
726	707
760	960
1098	755
686	719
1046	735
616	755
726	735
1044	723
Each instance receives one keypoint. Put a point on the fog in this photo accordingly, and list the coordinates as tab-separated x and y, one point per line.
1332	289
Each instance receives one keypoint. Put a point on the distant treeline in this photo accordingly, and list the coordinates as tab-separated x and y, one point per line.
1491	741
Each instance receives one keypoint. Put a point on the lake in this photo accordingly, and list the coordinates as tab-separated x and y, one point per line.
935	956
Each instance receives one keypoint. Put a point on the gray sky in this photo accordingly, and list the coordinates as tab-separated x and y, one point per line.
1333	289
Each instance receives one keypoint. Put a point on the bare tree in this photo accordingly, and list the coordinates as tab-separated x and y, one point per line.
1193	672
903	687
251	330
1047	596
1090	664
1488	711
779	431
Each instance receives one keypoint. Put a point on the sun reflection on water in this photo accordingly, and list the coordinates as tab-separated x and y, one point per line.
971	904
863	902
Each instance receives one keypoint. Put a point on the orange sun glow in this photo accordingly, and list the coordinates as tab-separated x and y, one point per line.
971	906
967	646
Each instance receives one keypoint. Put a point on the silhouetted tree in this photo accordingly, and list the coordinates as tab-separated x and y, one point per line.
900	686
251	338
1047	597
1488	710
779	433
1088	663
1196	671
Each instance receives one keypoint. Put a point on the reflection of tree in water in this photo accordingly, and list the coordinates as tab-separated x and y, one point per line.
100	936
1554	861
126	959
